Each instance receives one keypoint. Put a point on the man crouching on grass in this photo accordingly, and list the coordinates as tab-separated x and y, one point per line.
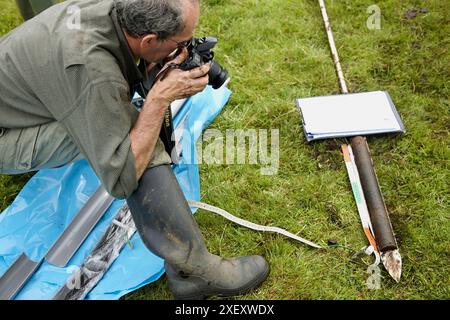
65	95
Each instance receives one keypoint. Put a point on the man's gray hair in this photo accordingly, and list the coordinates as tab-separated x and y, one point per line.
161	17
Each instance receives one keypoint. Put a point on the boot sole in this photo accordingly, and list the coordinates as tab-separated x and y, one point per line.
236	292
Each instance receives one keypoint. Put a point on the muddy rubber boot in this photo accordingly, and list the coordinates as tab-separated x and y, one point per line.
167	227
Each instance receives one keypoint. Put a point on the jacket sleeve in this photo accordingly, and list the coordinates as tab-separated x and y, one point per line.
99	123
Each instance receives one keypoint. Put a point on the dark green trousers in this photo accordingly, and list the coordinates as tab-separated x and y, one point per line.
30	8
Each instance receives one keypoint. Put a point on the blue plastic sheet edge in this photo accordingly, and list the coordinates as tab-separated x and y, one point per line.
52	197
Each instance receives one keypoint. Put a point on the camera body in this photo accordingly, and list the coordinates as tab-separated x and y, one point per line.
200	53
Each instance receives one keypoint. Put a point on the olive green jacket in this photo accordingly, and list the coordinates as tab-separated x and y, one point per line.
72	64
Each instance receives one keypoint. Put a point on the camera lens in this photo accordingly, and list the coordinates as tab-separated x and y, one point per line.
217	75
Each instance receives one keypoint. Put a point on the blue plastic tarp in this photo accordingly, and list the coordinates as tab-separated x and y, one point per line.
52	197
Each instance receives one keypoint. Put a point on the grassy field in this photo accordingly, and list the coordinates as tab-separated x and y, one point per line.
276	51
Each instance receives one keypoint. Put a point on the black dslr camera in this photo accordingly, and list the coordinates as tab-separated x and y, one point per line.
200	53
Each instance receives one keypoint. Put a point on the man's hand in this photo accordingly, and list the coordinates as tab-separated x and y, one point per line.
179	84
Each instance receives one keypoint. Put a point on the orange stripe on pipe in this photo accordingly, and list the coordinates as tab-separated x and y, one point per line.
346	153
371	239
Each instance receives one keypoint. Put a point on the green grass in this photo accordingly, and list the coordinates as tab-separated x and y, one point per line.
276	51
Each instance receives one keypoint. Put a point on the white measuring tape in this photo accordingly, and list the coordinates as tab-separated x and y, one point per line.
249	224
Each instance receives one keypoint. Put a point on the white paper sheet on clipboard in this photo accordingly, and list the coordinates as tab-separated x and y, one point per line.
348	115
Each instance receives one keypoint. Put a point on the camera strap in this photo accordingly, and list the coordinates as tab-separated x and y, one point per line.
167	129
167	126
167	132
163	73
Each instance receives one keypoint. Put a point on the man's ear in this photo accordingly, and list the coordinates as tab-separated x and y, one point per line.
148	40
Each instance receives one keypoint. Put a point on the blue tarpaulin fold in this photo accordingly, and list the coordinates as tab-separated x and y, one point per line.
52	197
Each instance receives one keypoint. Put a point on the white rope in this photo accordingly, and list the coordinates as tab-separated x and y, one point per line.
249	224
